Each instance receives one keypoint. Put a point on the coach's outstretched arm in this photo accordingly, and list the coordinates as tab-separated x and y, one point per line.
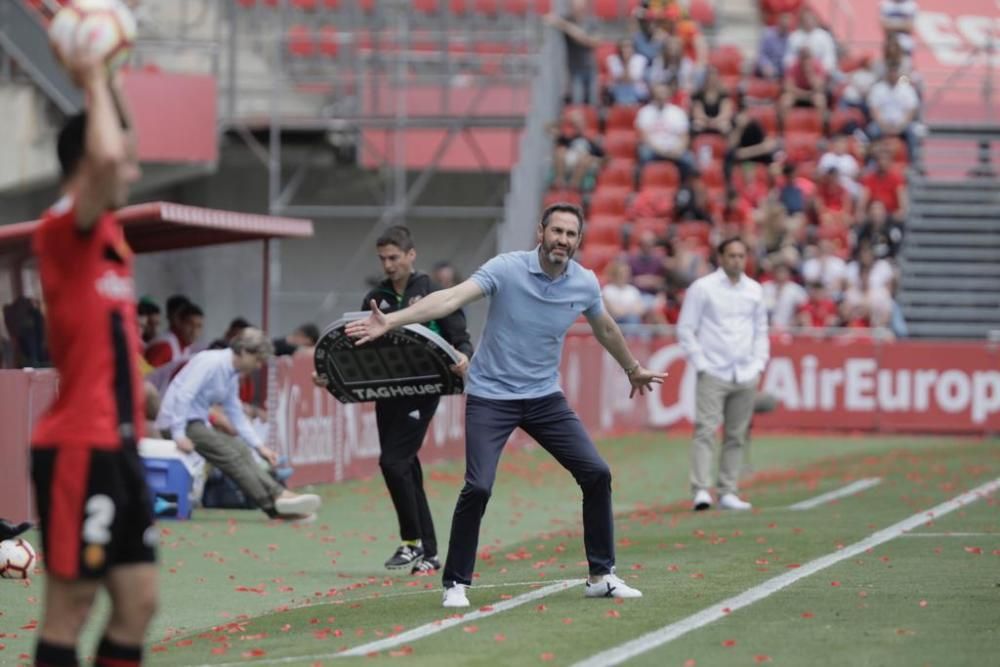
432	307
609	335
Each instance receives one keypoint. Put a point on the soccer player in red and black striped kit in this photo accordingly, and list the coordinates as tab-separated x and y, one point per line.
94	507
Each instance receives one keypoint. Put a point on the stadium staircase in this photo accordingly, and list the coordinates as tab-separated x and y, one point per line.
950	262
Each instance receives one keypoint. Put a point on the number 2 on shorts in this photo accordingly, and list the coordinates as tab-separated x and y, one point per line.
100	515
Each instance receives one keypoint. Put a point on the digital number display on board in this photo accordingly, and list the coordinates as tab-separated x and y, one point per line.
409	361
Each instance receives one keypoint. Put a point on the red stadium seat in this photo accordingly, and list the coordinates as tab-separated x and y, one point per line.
329	41
621	143
702	12
613	10
662	174
459	7
803	120
245	4
367	6
713	177
603	50
658	226
301	43
802	147
305	5
487	7
558	196
698	231
331	4
604	229
426	6
621	117
619	172
762	90
589	114
609	201
841	118
767	116
596	256
653	201
728	59
715	142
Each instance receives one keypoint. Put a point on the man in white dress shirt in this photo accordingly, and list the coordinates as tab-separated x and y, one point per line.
723	330
212	378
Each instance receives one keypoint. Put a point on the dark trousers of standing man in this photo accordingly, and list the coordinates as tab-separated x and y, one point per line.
402	425
551	422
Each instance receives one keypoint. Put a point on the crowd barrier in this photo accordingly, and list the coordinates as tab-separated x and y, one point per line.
820	384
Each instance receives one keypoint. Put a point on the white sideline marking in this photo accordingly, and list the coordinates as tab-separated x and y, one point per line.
668	633
951	535
849	490
424	630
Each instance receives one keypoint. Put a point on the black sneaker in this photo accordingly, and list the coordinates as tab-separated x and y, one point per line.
404	557
9	531
427	565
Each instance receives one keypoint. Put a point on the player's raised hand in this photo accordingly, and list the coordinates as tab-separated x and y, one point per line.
370	328
642	379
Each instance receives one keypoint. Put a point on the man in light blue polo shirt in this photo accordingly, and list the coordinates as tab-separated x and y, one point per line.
513	382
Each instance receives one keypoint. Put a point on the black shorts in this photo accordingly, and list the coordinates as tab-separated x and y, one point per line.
94	510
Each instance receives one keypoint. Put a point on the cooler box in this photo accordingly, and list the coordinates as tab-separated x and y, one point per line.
170	485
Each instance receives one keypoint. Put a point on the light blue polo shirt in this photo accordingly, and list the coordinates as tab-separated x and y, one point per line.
529	314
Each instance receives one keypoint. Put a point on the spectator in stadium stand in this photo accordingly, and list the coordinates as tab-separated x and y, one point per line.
688	262
711	107
897	17
211	378
783	297
792	192
839	157
149	318
445	275
893	103
622	299
805	83
663	129
646	267
858	84
686	32
723	331
627	72
178	343
816	39
823	265
748	142
303	338
886	185
691	200
773	48
833	204
819	311
647	39
878	230
575	154
870	283
580	30
236	325
777	228
672	66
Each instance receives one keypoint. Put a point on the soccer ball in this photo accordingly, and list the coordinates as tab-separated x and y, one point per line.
17	558
104	29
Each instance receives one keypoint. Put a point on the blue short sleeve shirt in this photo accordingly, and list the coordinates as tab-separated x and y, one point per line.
529	315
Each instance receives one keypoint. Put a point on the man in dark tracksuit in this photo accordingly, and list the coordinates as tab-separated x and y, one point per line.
402	422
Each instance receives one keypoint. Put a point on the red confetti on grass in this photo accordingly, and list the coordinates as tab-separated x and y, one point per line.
220	650
159	648
728	643
923	603
808	614
541	607
471	629
690	662
254	653
486	608
499	637
612	613
184	642
548	656
761	658
974	550
835	584
567	621
406	650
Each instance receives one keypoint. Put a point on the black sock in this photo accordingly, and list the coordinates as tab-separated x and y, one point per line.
54	655
113	654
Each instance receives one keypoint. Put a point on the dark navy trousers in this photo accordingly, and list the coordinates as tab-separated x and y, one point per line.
550	421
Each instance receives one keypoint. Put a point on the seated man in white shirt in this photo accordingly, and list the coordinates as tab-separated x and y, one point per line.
783	297
839	157
212	378
822	265
723	330
664	130
894	104
818	40
623	300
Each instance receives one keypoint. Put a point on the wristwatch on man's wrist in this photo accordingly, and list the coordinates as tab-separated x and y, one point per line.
631	371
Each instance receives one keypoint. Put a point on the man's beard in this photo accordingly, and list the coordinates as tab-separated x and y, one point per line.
557	259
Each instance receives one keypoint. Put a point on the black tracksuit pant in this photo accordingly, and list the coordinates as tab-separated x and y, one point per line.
402	425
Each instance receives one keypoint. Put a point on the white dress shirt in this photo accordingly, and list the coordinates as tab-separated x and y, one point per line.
819	42
723	327
208	379
783	302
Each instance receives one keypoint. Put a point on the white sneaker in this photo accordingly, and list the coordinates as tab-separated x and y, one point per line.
303	503
702	500
730	501
455	596
611	586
